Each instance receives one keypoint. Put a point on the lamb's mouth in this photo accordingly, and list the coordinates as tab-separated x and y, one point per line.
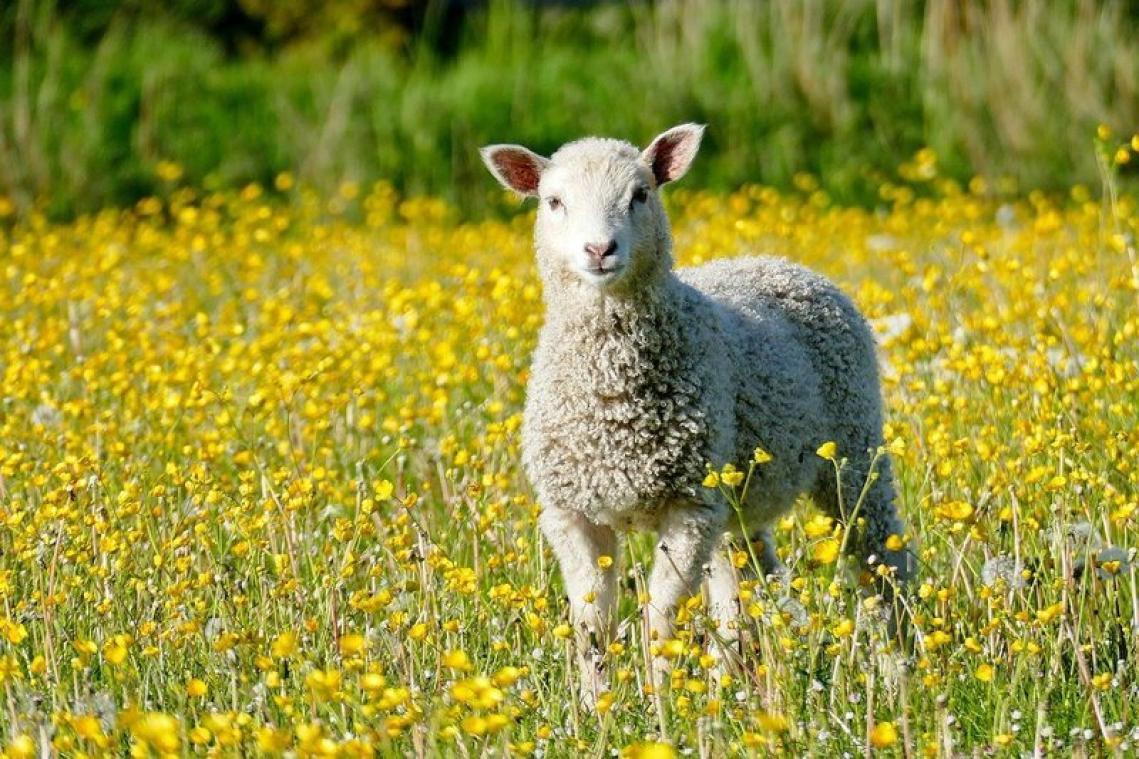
598	275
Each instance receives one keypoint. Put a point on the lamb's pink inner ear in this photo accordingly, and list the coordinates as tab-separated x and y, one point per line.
672	153
517	168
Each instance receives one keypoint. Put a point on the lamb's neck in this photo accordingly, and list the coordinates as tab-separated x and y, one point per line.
645	320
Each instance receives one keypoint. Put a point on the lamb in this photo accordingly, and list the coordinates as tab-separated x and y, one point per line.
643	376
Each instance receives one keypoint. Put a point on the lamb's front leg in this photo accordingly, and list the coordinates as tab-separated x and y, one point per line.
578	544
687	533
724	607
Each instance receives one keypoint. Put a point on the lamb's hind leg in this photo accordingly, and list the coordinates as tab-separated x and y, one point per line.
769	562
578	544
687	533
872	506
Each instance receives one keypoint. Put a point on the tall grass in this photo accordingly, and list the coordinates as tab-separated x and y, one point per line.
847	91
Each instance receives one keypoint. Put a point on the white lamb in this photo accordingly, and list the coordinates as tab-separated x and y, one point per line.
644	376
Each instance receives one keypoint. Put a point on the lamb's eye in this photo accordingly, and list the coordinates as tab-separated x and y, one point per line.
640	195
554	203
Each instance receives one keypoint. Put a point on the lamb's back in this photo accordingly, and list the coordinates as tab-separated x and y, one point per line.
809	300
828	387
839	342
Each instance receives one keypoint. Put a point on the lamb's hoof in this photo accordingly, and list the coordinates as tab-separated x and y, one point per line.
779	575
587	696
661	674
794	612
594	679
729	661
718	672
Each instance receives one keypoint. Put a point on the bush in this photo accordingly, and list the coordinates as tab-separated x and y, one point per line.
844	91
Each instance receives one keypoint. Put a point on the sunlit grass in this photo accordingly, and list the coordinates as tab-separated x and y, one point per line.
259	487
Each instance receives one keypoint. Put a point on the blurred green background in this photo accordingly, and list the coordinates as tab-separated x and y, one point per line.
106	101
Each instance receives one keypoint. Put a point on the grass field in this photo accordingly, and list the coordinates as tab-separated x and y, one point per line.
260	492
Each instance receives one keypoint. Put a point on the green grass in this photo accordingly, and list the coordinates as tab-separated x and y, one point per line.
845	91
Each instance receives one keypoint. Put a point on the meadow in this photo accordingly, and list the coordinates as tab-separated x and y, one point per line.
260	491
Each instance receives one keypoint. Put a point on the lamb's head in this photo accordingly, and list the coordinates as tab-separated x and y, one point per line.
600	219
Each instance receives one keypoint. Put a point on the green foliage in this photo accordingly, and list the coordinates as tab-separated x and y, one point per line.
846	91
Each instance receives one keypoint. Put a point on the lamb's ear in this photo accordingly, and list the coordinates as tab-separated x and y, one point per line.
671	153
515	167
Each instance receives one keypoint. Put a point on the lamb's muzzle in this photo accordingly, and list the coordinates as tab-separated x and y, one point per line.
644	376
600	253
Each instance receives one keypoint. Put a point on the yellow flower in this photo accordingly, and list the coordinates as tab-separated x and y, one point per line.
828	450
115	649
604	562
372	682
957	511
761	456
195	688
883	735
1046	615
825	551
87	727
324	684
984	672
168	171
475	725
818	526
285	645
773	723
936	640
731	476
21	747
507	676
672	648
272	740
457	659
648	750
15	632
383	489
351	645
158	731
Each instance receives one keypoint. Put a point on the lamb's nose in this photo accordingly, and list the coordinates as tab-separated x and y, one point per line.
599	250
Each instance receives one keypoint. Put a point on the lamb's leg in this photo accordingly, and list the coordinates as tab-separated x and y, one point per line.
687	533
877	512
724	607
724	588
878	515
578	544
769	562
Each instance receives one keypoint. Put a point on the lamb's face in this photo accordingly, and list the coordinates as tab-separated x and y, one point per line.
599	216
598	211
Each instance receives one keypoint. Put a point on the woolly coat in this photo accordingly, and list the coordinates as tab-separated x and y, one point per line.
631	398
